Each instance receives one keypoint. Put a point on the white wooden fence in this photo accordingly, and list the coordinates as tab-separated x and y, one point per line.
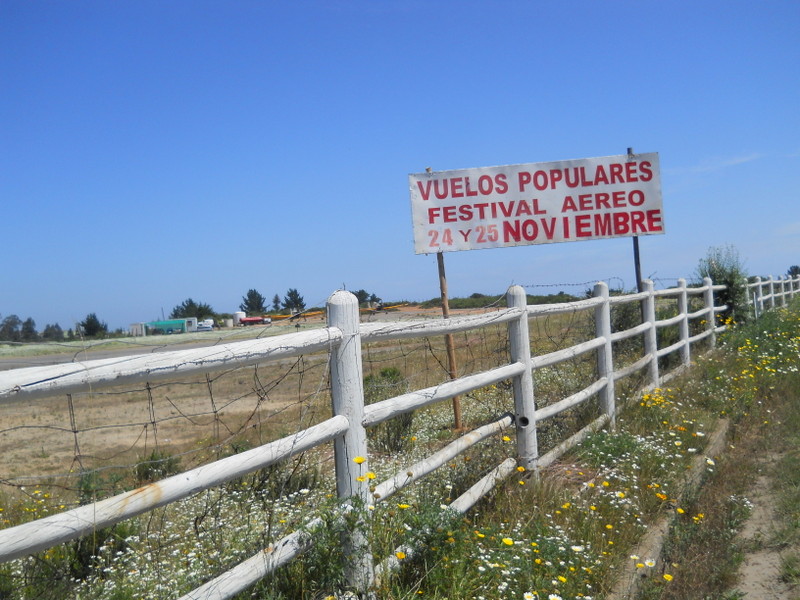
342	338
770	293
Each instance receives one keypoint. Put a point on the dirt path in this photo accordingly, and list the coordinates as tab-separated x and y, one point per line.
760	573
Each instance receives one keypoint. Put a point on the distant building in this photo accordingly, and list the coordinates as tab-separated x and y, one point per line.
163	327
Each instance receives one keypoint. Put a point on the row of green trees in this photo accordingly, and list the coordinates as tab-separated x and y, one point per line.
14	329
722	263
254	303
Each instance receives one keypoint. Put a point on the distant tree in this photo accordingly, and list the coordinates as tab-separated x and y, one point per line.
10	329
93	327
253	303
276	302
293	301
53	333
793	271
28	332
373	298
362	295
189	308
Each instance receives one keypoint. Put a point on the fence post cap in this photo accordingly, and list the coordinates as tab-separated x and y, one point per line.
342	298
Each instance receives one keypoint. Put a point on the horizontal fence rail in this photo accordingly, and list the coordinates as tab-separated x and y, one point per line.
341	339
770	293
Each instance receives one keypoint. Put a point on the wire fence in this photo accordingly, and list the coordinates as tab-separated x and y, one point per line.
73	449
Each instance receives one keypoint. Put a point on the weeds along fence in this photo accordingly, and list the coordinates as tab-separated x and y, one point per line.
602	342
765	294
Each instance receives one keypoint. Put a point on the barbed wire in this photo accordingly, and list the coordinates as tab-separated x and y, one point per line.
91	444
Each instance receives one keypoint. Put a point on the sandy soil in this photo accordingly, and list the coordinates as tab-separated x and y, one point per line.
51	437
759	575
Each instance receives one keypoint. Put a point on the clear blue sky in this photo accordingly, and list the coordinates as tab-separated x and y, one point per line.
155	151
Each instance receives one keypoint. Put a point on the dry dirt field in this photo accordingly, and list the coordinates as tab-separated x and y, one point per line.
58	435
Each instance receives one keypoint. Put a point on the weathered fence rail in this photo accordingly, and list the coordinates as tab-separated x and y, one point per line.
342	339
769	293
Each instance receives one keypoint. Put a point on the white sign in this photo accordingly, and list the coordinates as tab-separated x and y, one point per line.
536	203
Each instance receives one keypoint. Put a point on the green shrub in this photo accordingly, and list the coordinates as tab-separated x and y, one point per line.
724	266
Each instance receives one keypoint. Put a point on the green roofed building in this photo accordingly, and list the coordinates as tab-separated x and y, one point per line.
164	327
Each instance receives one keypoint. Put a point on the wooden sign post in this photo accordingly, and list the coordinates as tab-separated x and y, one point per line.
448	340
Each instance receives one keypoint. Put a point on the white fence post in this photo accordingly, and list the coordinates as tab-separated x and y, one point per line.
783	290
758	301
683	308
708	298
524	402
771	292
605	353
651	335
350	450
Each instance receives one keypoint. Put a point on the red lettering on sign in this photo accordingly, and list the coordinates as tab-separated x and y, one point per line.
616	173
522	209
575	180
517	230
447	238
441	191
600	175
523	178
487	234
583	226
630	171
424	189
602	224
636	197
637	222
481	209
540	180
621	223
647	170
584	182
455	187
654	220
569	204
460	187
549	226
